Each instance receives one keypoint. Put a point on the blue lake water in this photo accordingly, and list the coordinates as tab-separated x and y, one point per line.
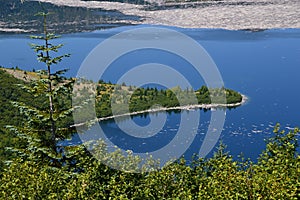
263	65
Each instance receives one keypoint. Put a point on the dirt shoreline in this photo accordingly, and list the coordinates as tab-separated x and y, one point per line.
226	14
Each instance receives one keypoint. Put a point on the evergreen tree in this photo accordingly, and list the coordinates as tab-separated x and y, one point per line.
48	122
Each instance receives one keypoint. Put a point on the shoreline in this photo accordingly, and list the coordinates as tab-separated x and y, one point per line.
224	14
249	15
186	107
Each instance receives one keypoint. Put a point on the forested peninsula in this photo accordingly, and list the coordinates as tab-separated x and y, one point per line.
137	100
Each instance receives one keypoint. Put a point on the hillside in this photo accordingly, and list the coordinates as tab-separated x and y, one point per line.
225	14
10	91
140	99
20	17
274	176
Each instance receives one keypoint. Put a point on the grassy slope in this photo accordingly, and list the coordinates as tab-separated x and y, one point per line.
24	76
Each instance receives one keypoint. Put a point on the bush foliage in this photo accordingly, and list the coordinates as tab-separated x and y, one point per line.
274	176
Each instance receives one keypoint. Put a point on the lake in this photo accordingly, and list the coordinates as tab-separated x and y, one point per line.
264	65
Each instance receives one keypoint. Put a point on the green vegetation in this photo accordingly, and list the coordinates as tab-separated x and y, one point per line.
274	176
9	114
47	109
140	99
35	167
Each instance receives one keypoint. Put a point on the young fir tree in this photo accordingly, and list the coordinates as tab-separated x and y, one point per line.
47	123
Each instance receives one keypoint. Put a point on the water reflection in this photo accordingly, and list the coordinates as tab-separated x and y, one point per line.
64	19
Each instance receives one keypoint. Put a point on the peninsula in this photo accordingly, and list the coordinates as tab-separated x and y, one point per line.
130	100
114	100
